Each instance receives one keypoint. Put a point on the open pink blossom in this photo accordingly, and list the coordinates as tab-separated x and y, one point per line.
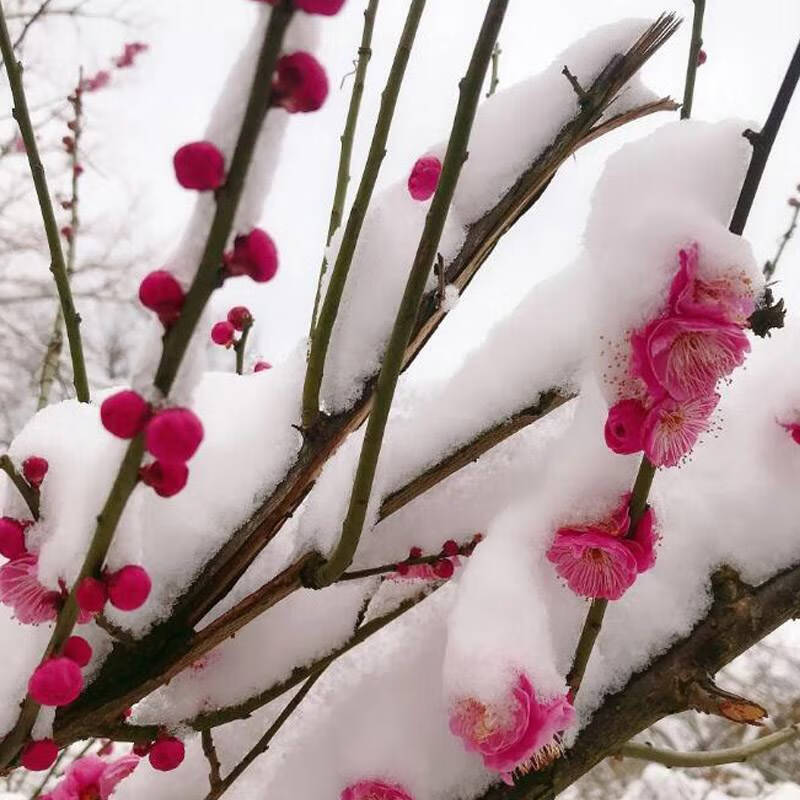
424	178
173	435
92	778
684	357
199	166
300	83
522	734
253	254
727	299
615	524
672	428
644	541
12	538
624	431
20	589
374	790
56	682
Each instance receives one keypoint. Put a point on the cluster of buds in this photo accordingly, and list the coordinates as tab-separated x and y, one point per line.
164	754
436	567
224	333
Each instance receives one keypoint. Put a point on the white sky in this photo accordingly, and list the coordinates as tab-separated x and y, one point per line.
135	128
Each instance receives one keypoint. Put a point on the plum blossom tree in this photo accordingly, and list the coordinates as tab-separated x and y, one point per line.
293	571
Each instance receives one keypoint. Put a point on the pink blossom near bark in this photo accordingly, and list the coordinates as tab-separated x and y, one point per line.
97	81
300	83
240	317
39	755
166	479
624	431
173	435
160	292
92	778
129	587
684	357
522	734
124	414
222	333
199	166
262	366
672	428
792	428
20	589
34	469
424	178
253	254
726	299
56	682
644	541
166	754
373	789
12	538
77	649
91	595
593	564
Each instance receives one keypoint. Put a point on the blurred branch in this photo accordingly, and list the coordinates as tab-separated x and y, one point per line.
695	46
771	266
495	79
210	752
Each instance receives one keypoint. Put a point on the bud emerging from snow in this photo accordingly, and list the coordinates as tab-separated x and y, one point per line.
166	754
300	83
56	682
124	414
254	255
199	166
174	435
39	755
34	469
166	479
129	587
91	595
261	366
222	334
77	649
12	538
424	178
240	317
161	292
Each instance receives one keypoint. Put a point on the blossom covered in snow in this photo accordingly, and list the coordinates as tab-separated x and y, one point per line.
522	734
374	790
92	778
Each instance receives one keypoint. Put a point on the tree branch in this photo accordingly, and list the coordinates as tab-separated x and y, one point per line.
210	752
29	494
694	55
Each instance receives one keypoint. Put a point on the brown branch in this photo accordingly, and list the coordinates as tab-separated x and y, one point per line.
210	752
28	493
705	696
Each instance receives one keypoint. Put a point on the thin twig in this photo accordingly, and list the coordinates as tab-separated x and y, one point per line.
57	263
695	46
210	752
29	493
240	348
495	79
710	758
347	140
329	309
771	266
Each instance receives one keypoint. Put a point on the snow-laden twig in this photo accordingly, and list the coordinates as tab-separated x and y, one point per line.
695	46
329	310
772	265
58	265
28	493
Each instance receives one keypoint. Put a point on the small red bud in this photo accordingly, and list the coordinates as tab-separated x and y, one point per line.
444	569
450	548
240	317
222	334
34	468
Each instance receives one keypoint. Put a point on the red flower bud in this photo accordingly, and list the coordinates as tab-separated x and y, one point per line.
34	468
199	166
240	317
129	587
124	414
174	435
166	479
300	83
161	292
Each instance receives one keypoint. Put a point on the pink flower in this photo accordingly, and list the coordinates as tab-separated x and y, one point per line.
56	682
129	587
729	299
326	7
521	735
261	366
20	588
624	429
672	428
12	538
91	595
255	255
39	755
222	334
167	479
166	754
240	317
124	414
129	53
374	790
684	357
794	430
173	435
644	540
161	292
77	649
96	82
424	178
300	83
199	166
34	468
91	778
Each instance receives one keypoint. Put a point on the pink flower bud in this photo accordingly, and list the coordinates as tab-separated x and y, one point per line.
39	755
240	317
77	649
415	552
161	292
450	548
222	334
77	170
174	435
56	682
141	749
254	255
300	83
91	595
34	468
166	754
69	144
326	7
12	538
444	569
702	57
199	166
129	587
624	429
124	414
66	232
261	366
167	479
424	178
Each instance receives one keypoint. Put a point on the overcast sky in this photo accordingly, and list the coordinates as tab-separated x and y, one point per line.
134	129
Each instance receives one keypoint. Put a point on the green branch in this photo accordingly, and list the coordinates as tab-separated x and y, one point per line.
455	157
694	55
58	266
29	494
323	329
240	348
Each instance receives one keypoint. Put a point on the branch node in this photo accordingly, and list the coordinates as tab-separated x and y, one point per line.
583	96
